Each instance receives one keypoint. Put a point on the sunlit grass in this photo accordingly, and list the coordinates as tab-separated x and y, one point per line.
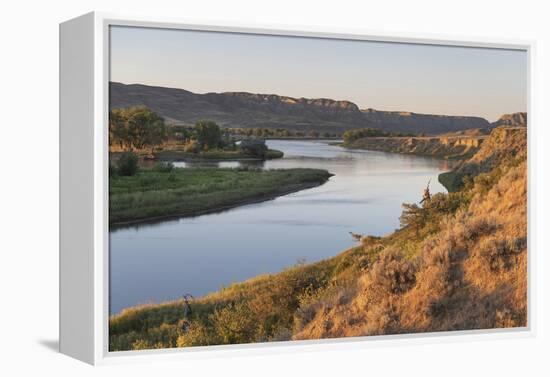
190	191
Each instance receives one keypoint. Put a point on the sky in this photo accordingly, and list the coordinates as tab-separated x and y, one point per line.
380	75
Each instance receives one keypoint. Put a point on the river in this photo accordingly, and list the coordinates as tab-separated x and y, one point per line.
151	263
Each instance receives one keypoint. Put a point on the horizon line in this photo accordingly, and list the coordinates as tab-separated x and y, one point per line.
320	98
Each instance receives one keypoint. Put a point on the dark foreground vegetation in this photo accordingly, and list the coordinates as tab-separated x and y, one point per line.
165	191
458	262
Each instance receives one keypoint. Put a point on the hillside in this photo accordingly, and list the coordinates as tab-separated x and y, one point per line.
458	262
448	147
504	145
512	120
399	121
248	110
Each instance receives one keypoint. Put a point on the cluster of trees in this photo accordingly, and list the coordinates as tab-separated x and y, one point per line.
136	128
352	135
208	135
204	135
280	133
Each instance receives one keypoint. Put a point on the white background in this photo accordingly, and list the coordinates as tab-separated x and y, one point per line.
29	184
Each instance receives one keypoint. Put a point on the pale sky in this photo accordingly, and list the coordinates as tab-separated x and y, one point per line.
379	75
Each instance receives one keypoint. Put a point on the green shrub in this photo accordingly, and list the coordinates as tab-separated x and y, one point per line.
254	147
208	134
451	181
273	153
127	164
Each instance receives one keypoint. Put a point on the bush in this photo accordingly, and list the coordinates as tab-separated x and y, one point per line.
393	273
164	167
254	147
196	335
500	254
451	181
208	134
273	153
127	164
234	324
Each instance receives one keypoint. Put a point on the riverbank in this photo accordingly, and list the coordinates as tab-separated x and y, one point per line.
215	155
445	147
152	195
458	262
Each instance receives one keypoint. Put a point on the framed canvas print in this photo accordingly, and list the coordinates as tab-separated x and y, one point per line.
234	189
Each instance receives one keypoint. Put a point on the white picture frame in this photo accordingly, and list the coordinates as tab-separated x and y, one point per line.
84	246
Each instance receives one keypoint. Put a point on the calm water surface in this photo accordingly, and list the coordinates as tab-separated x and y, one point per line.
158	262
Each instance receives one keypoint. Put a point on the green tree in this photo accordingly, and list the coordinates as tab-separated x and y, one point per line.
208	134
118	131
146	128
136	127
413	216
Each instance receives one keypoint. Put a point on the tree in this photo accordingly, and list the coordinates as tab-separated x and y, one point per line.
254	147
412	216
208	134
146	128
118	132
136	127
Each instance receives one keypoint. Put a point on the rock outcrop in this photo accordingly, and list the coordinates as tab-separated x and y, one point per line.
513	120
503	145
448	147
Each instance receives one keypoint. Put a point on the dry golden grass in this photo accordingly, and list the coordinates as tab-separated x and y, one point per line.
472	274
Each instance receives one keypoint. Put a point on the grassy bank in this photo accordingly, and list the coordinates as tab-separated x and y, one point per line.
151	194
458	262
214	155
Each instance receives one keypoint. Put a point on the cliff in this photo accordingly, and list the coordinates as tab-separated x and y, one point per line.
503	146
247	110
399	121
512	120
448	147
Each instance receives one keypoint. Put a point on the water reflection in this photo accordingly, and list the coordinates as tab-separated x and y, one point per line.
160	261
